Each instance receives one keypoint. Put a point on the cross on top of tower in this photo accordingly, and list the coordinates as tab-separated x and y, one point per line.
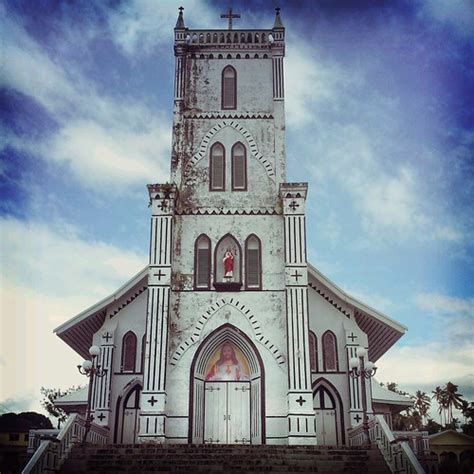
230	15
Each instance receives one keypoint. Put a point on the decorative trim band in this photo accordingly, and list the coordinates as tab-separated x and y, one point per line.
202	151
219	304
330	301
229	212
128	301
226	115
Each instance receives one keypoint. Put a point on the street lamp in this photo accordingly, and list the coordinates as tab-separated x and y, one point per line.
90	369
357	369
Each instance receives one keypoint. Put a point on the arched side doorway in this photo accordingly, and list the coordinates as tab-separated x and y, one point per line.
227	390
127	414
328	413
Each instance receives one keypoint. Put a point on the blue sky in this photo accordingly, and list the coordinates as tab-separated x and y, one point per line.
380	122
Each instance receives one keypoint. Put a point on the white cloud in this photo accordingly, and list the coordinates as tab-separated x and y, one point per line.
457	13
138	26
444	304
48	276
105	140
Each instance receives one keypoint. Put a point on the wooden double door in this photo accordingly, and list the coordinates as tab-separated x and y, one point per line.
326	413
227	412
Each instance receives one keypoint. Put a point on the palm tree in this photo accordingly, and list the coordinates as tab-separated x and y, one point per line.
440	396
453	399
422	404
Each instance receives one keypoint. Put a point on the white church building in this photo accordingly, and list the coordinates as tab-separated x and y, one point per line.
229	335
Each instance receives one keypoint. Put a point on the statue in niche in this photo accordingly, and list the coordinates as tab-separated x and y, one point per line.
228	262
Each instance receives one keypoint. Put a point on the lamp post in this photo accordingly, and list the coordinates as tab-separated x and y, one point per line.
357	369
90	369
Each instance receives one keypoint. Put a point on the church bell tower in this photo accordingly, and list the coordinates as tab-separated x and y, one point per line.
226	358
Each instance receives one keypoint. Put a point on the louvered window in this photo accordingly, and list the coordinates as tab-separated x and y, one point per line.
129	352
329	344
239	167
253	271
202	264
217	168
229	88
313	352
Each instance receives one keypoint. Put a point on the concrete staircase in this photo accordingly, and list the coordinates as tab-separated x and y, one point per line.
224	458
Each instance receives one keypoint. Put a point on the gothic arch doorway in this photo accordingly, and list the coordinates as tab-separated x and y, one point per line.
328	413
128	411
227	390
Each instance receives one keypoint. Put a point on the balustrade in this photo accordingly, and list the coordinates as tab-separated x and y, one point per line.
51	454
235	37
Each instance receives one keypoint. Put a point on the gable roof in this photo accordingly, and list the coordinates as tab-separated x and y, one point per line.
79	330
381	330
451	438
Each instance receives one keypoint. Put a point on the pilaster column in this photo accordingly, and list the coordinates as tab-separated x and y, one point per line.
153	397
301	419
353	341
101	394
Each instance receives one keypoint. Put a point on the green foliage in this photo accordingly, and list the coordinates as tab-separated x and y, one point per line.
52	394
24	421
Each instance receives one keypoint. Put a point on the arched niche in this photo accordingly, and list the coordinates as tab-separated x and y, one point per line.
246	374
228	264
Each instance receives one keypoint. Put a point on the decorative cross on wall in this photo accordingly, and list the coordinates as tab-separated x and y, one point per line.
164	205
101	417
301	400
159	274
152	401
293	206
357	418
352	337
107	336
296	275
230	16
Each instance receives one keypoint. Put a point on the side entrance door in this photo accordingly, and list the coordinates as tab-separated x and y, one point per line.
326	419
130	418
227	412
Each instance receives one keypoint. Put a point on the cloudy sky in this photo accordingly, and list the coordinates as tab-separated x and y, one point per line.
380	122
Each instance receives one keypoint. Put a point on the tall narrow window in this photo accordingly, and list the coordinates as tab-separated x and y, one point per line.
313	352
239	167
202	263
129	352
253	263
217	168
229	88
329	343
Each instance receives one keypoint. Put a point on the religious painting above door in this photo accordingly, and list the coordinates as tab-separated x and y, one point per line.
227	364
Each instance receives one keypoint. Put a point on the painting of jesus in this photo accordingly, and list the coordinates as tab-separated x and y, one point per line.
227	367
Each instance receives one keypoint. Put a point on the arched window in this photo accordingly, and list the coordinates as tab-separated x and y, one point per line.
239	167
202	263
313	352
329	344
217	168
227	264
229	88
129	352
253	263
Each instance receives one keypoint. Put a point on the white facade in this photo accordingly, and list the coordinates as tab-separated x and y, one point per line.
257	356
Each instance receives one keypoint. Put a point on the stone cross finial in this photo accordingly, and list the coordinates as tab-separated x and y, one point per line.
180	21
230	16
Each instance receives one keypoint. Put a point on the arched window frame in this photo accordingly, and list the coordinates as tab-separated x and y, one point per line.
247	286
129	334
212	186
214	272
313	351
202	237
234	187
327	334
232	106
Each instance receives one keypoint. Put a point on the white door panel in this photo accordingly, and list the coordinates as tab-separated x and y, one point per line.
215	413
238	403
